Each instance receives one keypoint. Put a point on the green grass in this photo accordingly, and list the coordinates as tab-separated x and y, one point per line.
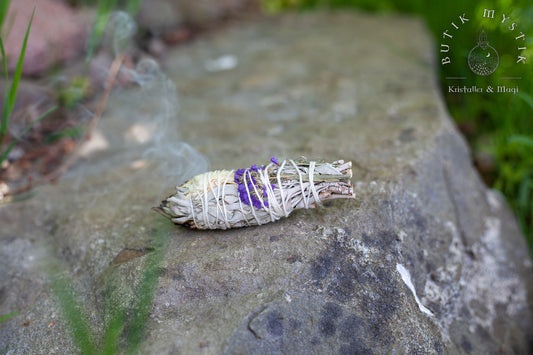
502	124
11	90
124	330
103	13
4	6
8	316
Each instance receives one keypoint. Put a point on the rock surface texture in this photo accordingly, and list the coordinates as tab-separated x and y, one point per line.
426	259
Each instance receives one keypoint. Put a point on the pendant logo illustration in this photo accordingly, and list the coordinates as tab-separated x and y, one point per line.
483	59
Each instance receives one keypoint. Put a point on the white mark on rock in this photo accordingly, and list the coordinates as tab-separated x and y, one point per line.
406	277
492	231
493	199
225	62
139	133
288	298
402	235
95	143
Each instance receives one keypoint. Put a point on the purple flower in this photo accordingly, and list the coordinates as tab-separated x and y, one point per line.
238	175
265	202
256	203
247	184
244	197
252	179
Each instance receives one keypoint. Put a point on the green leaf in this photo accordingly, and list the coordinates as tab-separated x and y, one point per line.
72	310
8	316
73	132
18	70
133	7
145	293
4	6
5	111
524	192
521	139
527	98
103	12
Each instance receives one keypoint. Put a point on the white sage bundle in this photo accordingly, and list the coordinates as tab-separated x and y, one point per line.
225	199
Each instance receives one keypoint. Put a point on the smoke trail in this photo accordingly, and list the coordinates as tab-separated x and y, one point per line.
178	160
148	111
122	29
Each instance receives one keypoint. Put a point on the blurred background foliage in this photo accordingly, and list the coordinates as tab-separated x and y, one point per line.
498	126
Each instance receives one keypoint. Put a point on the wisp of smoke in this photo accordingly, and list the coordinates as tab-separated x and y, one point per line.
178	160
153	107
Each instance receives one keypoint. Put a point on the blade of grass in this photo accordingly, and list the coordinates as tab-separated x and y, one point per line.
103	12
15	141
135	324
5	110
113	332
133	7
71	309
11	92
147	287
18	70
8	316
73	132
521	139
527	98
4	6
524	192
17	197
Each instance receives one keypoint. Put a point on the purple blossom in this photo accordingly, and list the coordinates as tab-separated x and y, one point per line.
265	202
256	203
238	175
247	185
244	197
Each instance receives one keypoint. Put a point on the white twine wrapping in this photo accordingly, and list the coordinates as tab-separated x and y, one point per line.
212	200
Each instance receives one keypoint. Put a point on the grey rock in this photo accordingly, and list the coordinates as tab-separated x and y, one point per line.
204	11
159	16
426	259
163	15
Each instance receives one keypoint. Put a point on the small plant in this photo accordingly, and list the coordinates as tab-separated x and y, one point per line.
11	92
74	92
125	328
